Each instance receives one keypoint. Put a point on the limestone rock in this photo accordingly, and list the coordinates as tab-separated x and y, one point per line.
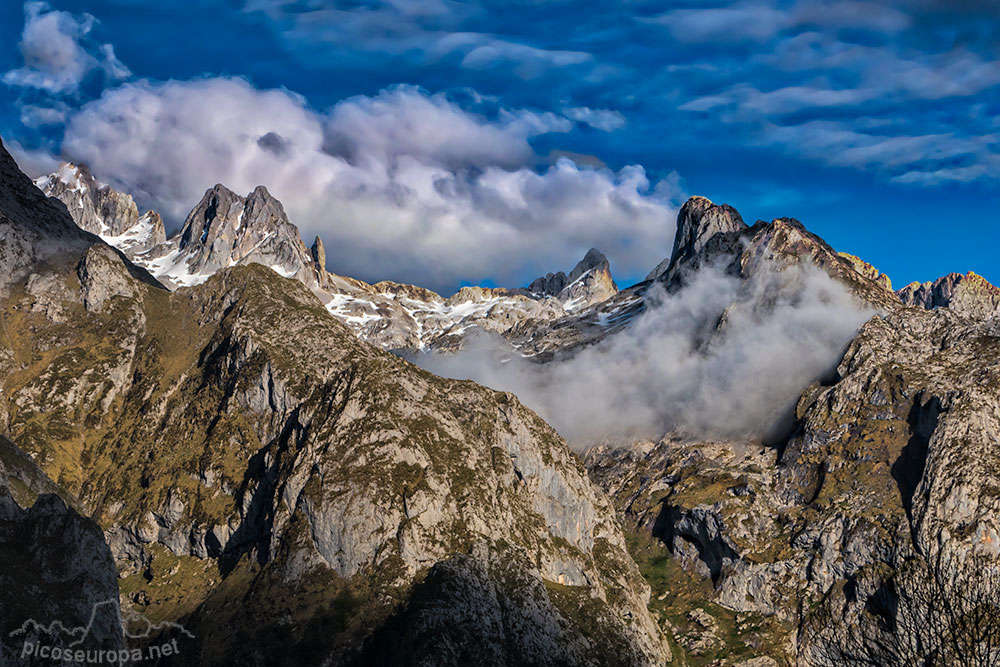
970	294
98	208
699	222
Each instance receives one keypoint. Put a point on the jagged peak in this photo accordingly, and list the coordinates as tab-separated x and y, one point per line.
318	252
594	259
220	189
699	220
867	270
968	292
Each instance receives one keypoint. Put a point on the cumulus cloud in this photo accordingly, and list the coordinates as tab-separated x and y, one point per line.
56	58
403	185
718	359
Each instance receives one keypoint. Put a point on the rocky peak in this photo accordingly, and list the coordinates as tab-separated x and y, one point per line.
594	259
867	270
588	283
318	252
218	206
226	229
970	294
100	209
698	222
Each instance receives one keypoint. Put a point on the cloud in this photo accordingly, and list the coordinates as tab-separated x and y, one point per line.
676	369
529	62
813	91
403	122
402	185
30	161
38	115
607	120
56	59
746	21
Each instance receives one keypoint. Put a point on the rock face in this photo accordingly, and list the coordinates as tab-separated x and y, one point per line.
33	229
285	489
101	210
700	222
867	270
891	458
970	294
56	567
589	282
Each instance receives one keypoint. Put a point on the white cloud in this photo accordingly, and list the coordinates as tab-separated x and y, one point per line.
55	60
528	61
37	115
607	120
674	371
403	122
402	185
33	162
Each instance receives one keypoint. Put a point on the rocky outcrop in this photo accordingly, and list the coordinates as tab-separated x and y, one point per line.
101	210
704	229
589	282
970	294
867	270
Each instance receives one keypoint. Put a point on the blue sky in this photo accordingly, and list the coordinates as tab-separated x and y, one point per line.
422	138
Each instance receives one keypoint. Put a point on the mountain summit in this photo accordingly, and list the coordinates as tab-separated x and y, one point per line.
589	282
102	210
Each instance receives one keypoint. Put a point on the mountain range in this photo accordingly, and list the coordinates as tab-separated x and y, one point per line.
218	432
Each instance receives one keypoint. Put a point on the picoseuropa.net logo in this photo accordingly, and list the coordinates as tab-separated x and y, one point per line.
58	643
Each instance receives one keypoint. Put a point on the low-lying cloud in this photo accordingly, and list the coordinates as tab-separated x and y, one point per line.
718	359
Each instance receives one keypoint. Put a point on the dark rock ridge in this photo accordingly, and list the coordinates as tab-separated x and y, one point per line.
56	568
33	228
700	222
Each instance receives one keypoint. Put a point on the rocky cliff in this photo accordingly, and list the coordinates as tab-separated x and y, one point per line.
284	489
